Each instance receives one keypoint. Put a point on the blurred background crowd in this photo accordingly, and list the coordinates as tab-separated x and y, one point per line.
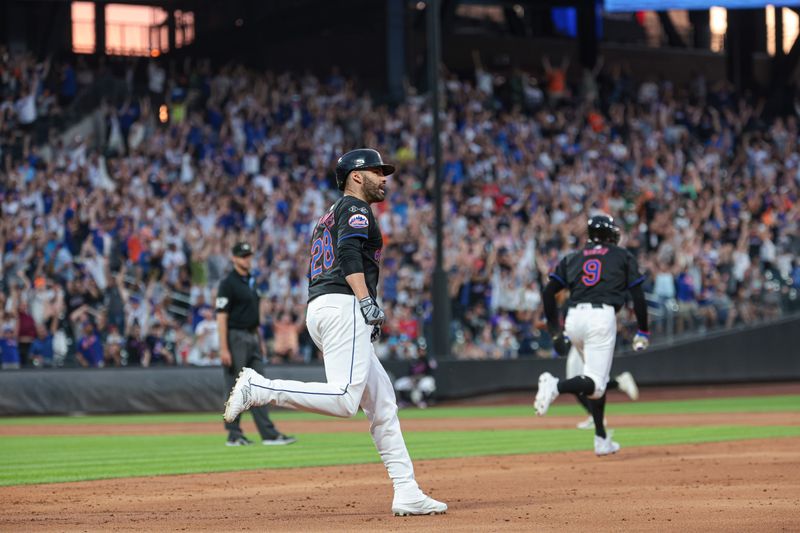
111	256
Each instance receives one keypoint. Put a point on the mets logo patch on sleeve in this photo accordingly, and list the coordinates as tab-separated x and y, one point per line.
358	221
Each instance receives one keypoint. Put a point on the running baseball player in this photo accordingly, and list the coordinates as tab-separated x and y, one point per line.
343	319
597	277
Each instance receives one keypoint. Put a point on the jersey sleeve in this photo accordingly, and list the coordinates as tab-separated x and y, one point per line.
559	274
353	221
224	295
633	275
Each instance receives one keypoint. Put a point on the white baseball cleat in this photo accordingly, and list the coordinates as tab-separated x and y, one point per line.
548	391
426	506
605	446
628	385
241	398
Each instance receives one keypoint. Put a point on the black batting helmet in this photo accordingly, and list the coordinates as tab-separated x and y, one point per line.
363	158
603	230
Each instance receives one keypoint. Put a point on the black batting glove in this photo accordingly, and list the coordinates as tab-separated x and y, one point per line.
561	343
373	314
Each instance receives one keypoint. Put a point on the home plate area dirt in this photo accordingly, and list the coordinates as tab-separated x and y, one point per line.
731	486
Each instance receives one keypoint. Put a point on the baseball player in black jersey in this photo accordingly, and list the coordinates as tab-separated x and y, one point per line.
343	319
598	278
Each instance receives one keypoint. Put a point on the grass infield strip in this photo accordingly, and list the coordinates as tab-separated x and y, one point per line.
27	460
755	404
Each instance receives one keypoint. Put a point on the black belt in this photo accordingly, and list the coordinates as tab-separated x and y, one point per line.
254	329
594	305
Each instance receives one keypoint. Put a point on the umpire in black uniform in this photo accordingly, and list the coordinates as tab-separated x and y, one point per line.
240	344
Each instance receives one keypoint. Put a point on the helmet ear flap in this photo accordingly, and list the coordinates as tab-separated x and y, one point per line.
616	234
341	179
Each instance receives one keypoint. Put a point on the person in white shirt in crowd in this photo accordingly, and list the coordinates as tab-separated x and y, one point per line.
205	345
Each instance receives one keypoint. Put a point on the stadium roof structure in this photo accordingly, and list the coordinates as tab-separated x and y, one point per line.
383	40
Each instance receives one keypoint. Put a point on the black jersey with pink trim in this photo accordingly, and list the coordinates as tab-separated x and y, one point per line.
349	219
598	274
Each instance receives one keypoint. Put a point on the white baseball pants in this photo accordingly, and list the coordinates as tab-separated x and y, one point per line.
355	377
426	384
574	363
593	332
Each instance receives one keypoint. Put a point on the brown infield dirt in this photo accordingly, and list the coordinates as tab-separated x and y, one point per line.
751	485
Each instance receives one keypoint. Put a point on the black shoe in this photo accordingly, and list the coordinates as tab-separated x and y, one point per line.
280	440
239	441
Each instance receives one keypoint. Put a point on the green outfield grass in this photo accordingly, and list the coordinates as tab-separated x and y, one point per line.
47	459
755	404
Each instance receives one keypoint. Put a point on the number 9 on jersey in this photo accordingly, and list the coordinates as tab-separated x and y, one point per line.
592	269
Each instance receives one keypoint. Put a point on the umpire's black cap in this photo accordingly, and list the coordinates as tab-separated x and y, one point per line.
242	249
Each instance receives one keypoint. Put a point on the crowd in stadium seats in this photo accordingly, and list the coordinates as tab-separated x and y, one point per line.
112	256
32	97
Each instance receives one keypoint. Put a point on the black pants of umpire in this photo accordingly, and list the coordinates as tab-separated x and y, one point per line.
246	352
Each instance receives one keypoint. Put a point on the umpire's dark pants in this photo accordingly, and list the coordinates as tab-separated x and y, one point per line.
246	352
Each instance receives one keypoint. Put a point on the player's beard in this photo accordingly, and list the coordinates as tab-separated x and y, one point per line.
373	191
